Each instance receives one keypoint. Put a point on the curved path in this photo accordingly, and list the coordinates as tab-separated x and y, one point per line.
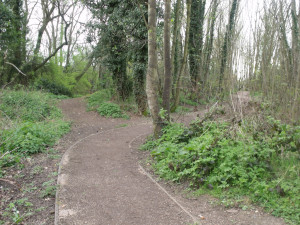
101	182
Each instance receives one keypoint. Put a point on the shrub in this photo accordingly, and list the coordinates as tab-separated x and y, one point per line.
97	98
27	106
53	87
29	123
261	162
112	110
31	138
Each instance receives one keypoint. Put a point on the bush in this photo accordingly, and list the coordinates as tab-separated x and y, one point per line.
112	110
31	138
97	98
27	106
52	87
29	123
261	162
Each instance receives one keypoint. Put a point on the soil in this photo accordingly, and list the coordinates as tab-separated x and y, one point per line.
104	179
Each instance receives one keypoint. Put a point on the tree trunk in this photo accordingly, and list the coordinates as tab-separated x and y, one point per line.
196	41
184	60
227	41
167	58
152	77
296	56
209	44
175	43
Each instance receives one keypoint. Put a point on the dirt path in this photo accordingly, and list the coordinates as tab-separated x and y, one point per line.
102	182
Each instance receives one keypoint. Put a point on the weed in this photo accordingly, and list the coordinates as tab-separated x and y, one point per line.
30	188
49	189
112	110
122	125
12	213
36	170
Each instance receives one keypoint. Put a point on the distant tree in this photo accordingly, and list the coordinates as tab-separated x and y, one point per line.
196	41
12	41
185	56
228	41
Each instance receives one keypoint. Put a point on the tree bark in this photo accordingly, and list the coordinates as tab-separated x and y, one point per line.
175	35
296	56
227	41
152	77
184	60
167	59
209	44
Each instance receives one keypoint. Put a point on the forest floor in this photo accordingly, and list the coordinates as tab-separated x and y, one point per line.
105	179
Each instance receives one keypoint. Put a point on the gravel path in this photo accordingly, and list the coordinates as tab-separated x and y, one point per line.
101	181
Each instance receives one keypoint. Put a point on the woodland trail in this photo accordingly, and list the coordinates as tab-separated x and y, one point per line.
101	180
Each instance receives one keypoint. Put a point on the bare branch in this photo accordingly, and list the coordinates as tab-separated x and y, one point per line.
16	68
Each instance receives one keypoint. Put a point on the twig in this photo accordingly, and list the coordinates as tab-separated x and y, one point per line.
11	182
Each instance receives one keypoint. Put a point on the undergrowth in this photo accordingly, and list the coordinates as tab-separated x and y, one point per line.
112	110
100	102
257	159
30	123
97	98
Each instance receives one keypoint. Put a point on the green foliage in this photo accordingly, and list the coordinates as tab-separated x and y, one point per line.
30	123
13	214
49	189
27	106
182	109
31	138
52	87
96	99
260	161
112	110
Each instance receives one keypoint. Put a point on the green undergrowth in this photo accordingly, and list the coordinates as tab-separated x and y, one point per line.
109	109
254	160
30	123
100	101
97	98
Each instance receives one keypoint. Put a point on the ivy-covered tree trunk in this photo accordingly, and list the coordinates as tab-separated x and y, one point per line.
207	52
196	41
17	43
185	54
175	44
139	78
139	52
152	76
227	41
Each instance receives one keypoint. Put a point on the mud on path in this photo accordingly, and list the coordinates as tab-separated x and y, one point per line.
101	180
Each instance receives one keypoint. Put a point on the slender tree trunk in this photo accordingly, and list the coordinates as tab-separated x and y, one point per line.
175	38
167	58
152	77
296	56
209	44
227	41
184	60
